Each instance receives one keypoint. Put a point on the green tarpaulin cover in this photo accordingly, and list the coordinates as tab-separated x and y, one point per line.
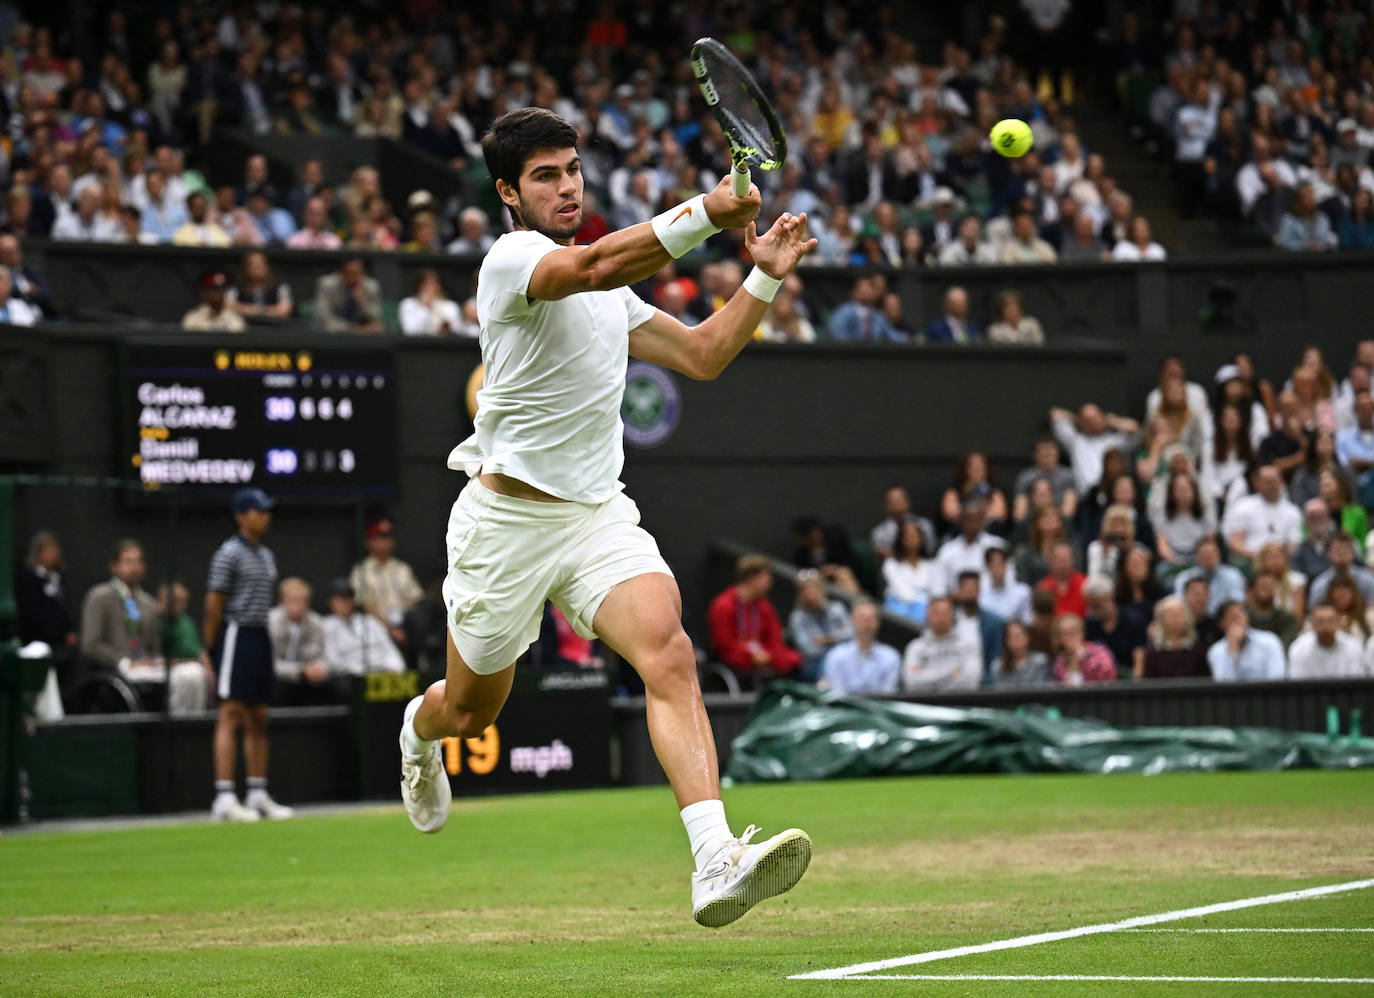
799	733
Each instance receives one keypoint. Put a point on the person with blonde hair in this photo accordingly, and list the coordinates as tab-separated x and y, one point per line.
1174	651
1013	325
1290	586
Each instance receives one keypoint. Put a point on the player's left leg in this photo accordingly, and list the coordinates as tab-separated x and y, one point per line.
641	620
226	807
255	757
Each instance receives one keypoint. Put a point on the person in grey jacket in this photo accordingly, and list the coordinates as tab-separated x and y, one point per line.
297	634
816	624
349	301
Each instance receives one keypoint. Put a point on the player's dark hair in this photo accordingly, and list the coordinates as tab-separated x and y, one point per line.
514	137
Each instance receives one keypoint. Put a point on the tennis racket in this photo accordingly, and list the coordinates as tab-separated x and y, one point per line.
746	116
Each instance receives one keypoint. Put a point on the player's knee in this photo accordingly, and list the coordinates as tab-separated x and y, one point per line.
670	660
472	724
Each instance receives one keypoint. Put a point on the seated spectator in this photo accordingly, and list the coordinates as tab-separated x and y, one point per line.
1124	637
1138	247
1355	446
945	658
964	552
1025	246
954	326
1088	437
897	507
426	630
973	484
863	665
745	632
1355	234
356	643
1013	325
88	224
311	183
1261	174
895	313
1225	583
859	320
1335	493
816	624
213	315
199	229
1354	615
27	282
1303	226
1118	536
969	249
161	216
1047	529
1046	467
385	585
1064	581
1305	482
1261	604
424	226
314	232
274	225
998	590
969	613
43	613
258	295
1137	589
349	301
911	580
1266	515
14	311
234	219
120	628
473	237
1042	635
826	548
1242	654
784	322
1079	661
1185	522
298	653
1175	650
430	312
1310	557
1327	652
1082	244
1019	664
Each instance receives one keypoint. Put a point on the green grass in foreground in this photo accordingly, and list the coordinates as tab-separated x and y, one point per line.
587	893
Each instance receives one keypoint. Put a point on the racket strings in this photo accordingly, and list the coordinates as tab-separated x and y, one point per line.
738	108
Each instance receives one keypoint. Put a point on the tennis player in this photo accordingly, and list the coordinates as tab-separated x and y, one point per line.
544	516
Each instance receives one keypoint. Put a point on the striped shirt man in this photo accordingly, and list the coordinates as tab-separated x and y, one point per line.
247	575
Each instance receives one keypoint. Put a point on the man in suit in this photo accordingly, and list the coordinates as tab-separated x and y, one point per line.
349	301
859	320
954	326
943	229
120	626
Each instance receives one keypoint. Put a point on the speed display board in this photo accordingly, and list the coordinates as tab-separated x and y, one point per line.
212	418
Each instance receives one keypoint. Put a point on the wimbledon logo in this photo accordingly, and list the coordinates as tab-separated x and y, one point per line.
652	406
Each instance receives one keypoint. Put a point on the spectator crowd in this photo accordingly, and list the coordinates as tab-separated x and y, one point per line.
1221	533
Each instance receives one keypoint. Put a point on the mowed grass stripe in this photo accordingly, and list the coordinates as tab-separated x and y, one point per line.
587	894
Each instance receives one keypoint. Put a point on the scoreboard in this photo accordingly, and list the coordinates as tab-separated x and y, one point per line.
209	418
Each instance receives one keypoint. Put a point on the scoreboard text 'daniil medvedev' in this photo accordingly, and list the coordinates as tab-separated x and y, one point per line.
210	418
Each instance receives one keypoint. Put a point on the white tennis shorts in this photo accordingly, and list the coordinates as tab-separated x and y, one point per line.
506	556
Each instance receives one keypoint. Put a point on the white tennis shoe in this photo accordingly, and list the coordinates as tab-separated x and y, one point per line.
740	875
227	808
261	802
424	783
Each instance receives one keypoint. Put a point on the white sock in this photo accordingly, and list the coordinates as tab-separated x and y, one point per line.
415	745
706	829
257	786
225	788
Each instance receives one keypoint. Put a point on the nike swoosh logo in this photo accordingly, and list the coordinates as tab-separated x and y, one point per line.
715	869
684	211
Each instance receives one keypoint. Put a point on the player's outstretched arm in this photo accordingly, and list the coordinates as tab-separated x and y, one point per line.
631	255
704	351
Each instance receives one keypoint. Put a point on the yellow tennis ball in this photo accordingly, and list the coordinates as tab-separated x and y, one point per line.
1011	137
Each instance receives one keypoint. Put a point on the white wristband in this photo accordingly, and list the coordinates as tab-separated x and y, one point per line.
683	228
761	286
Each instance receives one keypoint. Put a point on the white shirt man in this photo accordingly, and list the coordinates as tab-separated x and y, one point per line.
863	665
1087	440
966	552
999	592
946	658
1327	652
356	643
1268	515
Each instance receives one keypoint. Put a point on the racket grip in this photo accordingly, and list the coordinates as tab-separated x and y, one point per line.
740	180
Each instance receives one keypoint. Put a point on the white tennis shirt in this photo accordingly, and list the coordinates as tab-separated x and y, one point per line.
548	412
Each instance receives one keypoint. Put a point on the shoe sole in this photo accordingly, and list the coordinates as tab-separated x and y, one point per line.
776	872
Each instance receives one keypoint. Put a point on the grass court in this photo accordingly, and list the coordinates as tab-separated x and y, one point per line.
587	894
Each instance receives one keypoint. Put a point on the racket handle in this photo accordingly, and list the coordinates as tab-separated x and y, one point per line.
740	180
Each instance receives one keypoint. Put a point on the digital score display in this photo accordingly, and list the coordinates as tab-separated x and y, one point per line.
211	418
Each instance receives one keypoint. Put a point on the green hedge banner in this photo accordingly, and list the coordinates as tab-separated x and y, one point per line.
799	733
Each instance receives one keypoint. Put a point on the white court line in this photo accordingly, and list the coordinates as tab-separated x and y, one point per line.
840	973
1247	930
1083	977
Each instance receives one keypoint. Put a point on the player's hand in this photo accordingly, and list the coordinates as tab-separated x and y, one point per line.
778	251
729	212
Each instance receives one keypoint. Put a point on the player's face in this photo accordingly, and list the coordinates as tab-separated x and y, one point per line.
550	196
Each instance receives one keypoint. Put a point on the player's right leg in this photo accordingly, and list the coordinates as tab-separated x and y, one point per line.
461	705
232	716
